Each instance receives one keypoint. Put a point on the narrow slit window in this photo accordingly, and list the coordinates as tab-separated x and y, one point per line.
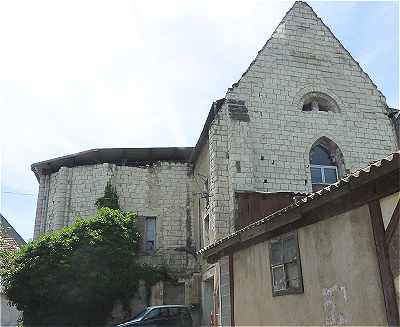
150	235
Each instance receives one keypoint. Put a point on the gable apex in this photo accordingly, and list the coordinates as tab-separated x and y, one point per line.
301	27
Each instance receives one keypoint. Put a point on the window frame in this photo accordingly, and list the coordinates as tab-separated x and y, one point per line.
288	290
145	239
322	168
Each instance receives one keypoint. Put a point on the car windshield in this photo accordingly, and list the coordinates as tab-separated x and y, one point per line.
141	314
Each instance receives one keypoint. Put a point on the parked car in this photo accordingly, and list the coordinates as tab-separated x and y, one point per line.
162	315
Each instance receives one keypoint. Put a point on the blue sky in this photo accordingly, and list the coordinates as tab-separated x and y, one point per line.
77	75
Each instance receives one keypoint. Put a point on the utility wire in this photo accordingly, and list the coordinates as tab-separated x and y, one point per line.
17	193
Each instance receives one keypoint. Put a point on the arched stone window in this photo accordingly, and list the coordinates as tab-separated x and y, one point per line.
326	163
317	101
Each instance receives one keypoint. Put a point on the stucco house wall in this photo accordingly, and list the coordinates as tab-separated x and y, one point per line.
10	316
390	216
338	260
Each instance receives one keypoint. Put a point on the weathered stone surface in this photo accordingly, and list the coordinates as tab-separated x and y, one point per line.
301	57
259	141
162	190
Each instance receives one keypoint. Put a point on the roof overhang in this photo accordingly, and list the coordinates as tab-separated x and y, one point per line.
215	108
118	156
131	156
373	182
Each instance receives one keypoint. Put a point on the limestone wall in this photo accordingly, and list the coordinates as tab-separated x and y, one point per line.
163	190
201	174
261	139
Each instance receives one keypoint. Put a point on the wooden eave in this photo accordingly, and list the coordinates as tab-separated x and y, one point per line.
365	185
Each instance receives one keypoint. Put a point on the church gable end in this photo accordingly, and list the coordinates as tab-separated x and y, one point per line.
303	85
304	53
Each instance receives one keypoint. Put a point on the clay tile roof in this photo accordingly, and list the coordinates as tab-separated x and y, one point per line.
353	178
9	238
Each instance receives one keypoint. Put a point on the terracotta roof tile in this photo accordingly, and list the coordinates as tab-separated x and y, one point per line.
351	178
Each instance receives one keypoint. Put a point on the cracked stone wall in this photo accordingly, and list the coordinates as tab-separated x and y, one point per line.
162	190
269	151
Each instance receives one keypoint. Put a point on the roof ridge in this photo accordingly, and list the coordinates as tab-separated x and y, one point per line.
264	46
10	232
331	34
349	54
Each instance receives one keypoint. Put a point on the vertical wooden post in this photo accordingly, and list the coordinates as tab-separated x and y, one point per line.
389	294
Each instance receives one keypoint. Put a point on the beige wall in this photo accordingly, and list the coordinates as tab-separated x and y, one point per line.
388	204
340	275
10	316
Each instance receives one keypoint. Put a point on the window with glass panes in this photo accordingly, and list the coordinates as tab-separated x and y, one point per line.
285	265
323	170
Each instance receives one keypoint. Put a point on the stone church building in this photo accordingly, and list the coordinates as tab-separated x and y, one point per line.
303	115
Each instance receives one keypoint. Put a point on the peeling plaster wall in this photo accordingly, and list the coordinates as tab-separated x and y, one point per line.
338	260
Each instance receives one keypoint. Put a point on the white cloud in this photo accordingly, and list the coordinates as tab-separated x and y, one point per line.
84	74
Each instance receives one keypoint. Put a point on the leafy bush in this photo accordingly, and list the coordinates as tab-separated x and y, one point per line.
73	276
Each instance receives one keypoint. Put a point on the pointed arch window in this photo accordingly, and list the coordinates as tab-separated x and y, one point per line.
323	170
326	163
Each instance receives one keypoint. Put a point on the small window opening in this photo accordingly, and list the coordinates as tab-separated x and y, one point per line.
318	102
150	235
307	107
285	265
326	163
323	169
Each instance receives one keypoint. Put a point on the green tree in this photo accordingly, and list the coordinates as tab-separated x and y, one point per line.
109	199
72	277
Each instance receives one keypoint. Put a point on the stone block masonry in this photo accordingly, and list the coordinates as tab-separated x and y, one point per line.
257	139
161	190
302	57
269	151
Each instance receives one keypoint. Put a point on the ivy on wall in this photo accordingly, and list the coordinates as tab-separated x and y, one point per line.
109	199
73	276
